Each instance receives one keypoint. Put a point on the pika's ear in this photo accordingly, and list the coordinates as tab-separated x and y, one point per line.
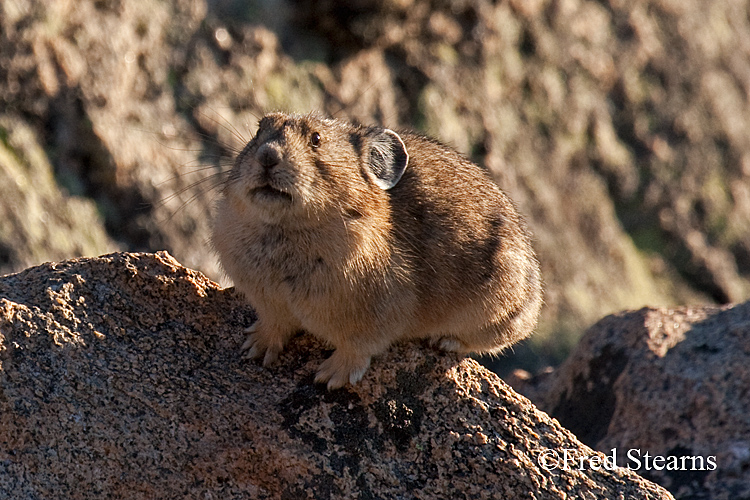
387	159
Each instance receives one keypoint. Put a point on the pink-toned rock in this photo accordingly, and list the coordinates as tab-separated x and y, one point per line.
670	382
120	377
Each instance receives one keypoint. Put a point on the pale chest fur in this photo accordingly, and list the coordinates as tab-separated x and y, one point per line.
318	269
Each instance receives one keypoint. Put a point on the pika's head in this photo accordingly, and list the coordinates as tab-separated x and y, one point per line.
308	167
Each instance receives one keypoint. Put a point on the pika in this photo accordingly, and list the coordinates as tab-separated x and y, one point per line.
363	236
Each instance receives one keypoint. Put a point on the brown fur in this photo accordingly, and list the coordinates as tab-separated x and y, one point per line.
443	254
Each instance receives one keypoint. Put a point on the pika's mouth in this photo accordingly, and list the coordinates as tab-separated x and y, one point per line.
268	193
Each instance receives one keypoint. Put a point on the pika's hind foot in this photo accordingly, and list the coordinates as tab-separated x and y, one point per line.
453	344
261	342
450	344
342	368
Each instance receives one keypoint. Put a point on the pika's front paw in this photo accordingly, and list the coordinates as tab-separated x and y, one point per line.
341	368
260	343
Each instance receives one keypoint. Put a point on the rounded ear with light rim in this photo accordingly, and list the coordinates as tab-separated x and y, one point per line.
387	158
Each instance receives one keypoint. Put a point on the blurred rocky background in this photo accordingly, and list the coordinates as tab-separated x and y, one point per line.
621	129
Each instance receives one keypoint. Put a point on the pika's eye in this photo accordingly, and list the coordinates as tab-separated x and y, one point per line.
315	139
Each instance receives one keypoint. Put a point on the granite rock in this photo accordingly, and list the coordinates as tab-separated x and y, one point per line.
120	377
671	382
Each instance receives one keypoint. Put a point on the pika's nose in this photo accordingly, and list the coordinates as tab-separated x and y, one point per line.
268	156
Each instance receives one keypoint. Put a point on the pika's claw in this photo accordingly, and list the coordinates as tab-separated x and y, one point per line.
254	350
340	369
262	344
249	341
271	356
251	349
